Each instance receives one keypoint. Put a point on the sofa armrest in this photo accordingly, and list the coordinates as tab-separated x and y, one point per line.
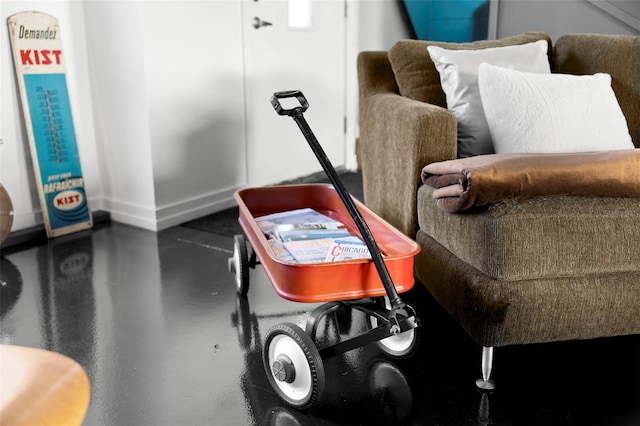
398	137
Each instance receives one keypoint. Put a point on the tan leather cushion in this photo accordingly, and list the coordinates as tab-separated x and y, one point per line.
541	237
416	74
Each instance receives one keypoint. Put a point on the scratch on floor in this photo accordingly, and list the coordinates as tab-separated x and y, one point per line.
208	246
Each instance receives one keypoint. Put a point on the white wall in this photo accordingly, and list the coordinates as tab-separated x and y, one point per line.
193	63
557	18
168	95
381	24
116	70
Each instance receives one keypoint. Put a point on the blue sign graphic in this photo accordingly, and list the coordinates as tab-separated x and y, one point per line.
59	162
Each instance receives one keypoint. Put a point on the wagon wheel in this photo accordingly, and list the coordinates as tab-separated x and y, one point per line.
239	264
400	346
294	366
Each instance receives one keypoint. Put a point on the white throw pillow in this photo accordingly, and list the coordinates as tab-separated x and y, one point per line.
458	71
551	113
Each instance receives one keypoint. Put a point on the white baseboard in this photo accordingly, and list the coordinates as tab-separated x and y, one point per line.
27	220
186	210
131	214
170	215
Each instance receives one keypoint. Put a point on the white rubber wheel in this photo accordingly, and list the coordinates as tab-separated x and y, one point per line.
239	264
399	346
293	365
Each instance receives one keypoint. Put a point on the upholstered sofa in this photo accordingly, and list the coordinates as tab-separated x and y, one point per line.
528	271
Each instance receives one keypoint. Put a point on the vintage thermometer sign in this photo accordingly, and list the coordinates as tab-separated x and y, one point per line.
40	67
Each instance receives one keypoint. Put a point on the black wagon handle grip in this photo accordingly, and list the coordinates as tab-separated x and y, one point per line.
298	110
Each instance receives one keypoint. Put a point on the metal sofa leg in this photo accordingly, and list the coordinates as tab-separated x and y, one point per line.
486	383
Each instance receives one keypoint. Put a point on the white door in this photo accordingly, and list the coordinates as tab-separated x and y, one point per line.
282	55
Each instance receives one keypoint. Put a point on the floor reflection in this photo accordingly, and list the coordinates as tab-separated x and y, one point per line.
10	286
67	297
484	411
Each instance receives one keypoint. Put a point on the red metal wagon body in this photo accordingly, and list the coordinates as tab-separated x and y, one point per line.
327	281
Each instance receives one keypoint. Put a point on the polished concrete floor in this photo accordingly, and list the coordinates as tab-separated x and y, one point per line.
155	320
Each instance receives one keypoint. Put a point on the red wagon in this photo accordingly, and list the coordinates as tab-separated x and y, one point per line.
292	360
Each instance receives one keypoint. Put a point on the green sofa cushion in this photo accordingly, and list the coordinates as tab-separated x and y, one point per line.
543	237
499	313
417	76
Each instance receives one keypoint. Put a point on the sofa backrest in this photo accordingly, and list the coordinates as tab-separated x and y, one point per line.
616	55
416	75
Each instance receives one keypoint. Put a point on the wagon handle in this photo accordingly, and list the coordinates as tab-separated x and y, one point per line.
297	114
275	101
